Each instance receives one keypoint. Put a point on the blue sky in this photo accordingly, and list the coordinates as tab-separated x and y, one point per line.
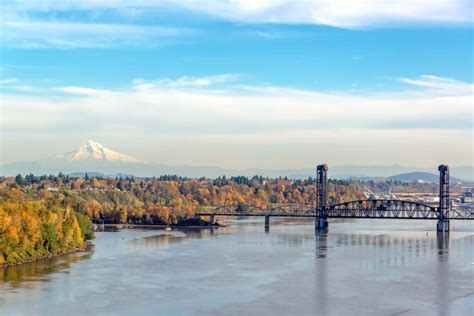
274	78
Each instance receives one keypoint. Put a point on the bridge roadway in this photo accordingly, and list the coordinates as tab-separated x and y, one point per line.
376	209
362	209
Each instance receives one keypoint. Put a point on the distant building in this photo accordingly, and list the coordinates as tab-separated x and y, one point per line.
467	197
284	182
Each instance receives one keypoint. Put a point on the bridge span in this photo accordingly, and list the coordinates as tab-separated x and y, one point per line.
361	209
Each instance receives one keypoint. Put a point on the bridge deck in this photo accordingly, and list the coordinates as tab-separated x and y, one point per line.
457	216
377	209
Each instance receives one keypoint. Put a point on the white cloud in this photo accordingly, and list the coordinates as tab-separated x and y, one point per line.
34	24
176	124
339	13
25	88
257	108
82	91
441	85
44	34
8	81
185	81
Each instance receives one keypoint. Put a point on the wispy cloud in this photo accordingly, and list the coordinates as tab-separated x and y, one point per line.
68	35
15	85
256	108
82	91
26	88
185	81
8	81
441	85
339	13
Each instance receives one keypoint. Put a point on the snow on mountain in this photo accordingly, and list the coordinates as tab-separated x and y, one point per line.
93	151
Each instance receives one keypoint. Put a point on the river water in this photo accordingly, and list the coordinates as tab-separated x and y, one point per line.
363	267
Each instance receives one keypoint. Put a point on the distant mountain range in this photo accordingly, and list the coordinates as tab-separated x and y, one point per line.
419	176
93	157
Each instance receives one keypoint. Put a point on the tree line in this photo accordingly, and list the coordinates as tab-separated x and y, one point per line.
167	199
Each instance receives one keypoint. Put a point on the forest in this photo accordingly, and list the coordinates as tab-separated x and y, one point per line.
47	215
31	230
163	200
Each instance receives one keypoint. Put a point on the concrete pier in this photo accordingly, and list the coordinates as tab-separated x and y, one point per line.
212	220
267	223
442	226
321	223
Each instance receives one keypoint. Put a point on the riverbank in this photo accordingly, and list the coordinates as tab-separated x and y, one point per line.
153	226
106	227
87	247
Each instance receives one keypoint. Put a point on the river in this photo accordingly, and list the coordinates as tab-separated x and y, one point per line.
364	267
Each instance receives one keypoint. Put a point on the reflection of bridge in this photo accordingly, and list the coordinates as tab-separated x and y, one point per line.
379	209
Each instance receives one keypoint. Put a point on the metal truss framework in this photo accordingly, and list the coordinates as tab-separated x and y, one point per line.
381	209
376	209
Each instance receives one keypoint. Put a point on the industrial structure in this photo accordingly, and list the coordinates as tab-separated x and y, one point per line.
361	209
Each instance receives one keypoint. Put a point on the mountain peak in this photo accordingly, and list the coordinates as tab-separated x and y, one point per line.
94	151
90	142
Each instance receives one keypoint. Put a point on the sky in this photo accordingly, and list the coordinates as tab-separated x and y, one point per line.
240	84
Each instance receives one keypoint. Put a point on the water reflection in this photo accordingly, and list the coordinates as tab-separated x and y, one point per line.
442	271
395	251
321	277
39	271
321	244
443	246
169	238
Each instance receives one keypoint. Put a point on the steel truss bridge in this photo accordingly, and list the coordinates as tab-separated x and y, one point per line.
361	209
382	209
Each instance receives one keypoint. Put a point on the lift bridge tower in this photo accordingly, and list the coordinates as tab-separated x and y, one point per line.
321	197
443	209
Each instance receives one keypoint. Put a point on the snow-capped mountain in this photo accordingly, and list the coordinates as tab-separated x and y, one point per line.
92	157
93	151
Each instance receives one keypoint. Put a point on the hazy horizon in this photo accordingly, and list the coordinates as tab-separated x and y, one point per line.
274	85
52	157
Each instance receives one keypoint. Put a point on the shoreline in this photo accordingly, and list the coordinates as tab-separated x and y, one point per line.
89	243
88	246
157	226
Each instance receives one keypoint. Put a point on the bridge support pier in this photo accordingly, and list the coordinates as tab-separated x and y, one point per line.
442	226
321	223
212	220
267	223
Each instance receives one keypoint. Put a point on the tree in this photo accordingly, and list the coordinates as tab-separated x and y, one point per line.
120	184
85	226
123	215
19	179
